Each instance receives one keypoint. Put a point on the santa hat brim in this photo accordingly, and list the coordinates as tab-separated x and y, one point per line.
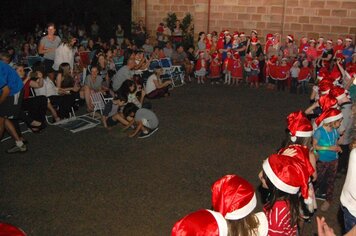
290	38
244	211
278	183
304	134
223	230
348	39
332	118
341	96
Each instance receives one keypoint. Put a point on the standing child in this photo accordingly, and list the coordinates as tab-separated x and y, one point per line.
236	73
326	147
294	73
228	66
303	77
255	70
200	68
215	69
283	74
282	207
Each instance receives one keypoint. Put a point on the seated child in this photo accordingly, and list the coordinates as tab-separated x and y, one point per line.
112	114
144	120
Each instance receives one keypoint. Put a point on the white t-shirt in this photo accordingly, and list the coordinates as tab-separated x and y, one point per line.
150	85
48	89
63	54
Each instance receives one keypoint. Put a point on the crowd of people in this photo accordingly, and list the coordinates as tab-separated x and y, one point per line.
74	66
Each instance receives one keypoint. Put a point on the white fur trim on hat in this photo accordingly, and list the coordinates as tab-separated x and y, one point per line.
290	38
221	223
332	118
304	134
329	41
263	226
325	92
348	39
341	96
244	211
276	181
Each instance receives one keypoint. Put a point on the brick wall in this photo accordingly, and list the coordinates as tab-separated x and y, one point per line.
313	18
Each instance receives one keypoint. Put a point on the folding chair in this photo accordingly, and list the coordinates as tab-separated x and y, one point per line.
174	73
31	60
119	62
98	100
84	58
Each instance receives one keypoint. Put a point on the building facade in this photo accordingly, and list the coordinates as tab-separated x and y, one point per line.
312	18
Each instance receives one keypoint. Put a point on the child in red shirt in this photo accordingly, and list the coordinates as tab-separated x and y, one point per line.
215	69
200	68
236	73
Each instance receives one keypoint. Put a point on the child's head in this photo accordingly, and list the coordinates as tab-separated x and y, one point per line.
130	110
119	100
300	129
235	199
330	118
305	63
296	64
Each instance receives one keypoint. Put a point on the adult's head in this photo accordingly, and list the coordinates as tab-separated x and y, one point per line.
51	29
131	64
94	71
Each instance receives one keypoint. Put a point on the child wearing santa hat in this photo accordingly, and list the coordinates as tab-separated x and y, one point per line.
339	46
283	74
282	207
202	222
303	77
200	68
326	148
215	69
228	66
272	72
236	73
253	76
294	73
235	199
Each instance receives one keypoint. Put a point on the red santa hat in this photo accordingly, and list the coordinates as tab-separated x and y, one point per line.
335	74
324	86
274	59
254	31
215	55
202	222
330	41
302	154
340	40
338	92
290	37
328	116
348	38
10	230
254	41
236	55
269	36
321	38
242	34
235	34
233	197
299	125
311	40
226	32
327	101
321	75
287	174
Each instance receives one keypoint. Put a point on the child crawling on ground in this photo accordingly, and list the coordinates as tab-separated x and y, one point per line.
112	114
144	120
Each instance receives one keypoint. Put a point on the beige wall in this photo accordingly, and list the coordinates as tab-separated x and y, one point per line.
313	18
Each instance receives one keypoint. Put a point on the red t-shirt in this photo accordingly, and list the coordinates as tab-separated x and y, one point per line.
279	220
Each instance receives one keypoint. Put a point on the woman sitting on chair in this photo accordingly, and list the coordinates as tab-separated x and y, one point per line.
155	88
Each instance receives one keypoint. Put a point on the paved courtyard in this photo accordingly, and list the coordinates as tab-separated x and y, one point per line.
100	182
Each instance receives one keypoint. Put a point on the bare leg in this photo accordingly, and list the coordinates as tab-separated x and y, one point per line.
2	126
120	118
53	112
87	91
11	129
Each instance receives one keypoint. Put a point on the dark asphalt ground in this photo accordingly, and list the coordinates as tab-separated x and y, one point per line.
97	182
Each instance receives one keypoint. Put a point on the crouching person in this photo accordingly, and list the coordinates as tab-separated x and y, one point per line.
112	114
144	120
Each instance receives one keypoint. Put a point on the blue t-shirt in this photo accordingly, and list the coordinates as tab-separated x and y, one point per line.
326	139
10	78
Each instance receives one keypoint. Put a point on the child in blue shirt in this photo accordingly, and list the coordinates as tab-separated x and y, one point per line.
326	147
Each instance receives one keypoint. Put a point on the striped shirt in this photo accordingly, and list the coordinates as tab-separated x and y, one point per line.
279	220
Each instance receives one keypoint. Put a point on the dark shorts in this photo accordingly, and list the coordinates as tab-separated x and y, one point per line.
10	109
110	122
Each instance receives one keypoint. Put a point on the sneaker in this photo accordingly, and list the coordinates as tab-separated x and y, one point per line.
148	134
16	149
325	206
